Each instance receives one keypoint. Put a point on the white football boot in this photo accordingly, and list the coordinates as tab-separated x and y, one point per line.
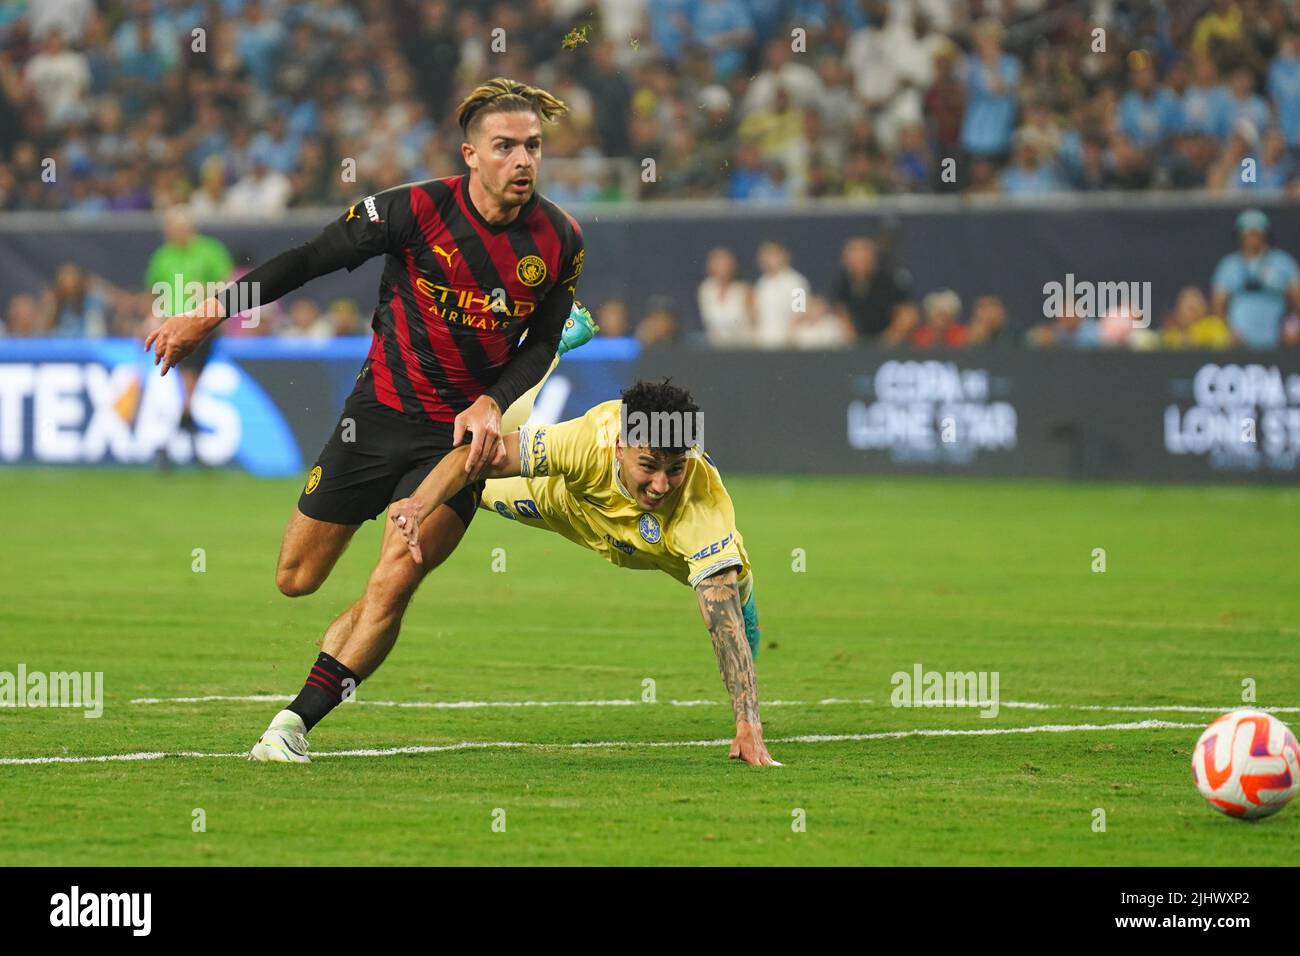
285	741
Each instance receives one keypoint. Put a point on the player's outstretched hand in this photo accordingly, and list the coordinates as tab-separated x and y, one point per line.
405	514
749	747
483	421
180	335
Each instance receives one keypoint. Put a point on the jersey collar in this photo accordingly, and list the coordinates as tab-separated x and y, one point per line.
618	477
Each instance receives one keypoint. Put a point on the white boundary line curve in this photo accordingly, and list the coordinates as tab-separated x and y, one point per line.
612	744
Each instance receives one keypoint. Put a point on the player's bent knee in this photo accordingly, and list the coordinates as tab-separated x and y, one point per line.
295	582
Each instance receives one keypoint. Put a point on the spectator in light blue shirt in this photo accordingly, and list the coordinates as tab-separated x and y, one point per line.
670	26
811	13
1031	173
257	39
1149	113
725	28
991	77
1274	169
77	303
766	16
749	178
1206	103
853	13
1253	287
180	17
1245	105
11	14
334	17
1284	87
142	35
275	146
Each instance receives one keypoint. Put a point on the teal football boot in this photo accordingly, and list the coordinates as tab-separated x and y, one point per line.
579	329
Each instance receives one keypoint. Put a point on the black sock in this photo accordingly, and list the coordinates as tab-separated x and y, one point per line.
326	684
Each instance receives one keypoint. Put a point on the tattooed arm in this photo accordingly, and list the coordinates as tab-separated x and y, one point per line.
720	605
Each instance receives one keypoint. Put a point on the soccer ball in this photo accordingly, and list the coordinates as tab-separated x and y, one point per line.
1247	764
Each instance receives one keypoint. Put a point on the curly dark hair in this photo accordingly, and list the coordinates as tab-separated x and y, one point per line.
661	402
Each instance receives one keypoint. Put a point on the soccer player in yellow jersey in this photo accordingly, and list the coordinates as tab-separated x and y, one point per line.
625	481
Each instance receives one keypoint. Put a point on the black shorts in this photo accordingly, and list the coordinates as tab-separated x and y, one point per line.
375	456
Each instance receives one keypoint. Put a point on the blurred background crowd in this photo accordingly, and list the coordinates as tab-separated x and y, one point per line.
205	109
257	111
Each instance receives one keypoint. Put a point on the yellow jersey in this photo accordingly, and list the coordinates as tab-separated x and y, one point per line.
569	484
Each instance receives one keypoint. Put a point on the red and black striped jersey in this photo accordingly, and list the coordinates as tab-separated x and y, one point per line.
457	293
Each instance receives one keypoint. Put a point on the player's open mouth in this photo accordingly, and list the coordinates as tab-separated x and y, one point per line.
522	183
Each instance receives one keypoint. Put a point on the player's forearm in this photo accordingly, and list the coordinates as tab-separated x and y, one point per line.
441	484
524	371
211	312
720	605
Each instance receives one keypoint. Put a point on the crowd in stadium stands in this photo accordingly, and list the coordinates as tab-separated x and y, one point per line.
262	107
272	104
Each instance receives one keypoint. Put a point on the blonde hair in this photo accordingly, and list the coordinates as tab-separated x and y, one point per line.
503	95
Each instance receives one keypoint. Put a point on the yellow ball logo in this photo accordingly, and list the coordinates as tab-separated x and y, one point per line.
313	479
531	270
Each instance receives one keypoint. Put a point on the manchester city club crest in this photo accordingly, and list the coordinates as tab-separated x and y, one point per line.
531	270
649	528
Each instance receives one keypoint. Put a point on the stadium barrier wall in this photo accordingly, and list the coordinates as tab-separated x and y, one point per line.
998	413
266	406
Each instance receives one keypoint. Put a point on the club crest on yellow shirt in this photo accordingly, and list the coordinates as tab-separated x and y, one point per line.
649	528
531	270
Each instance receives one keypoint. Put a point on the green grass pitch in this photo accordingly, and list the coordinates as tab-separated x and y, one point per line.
1198	595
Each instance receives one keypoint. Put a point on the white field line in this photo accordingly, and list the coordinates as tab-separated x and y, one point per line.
471	704
828	701
1146	708
632	744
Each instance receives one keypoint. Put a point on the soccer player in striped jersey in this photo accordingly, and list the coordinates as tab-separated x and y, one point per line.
471	263
638	496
